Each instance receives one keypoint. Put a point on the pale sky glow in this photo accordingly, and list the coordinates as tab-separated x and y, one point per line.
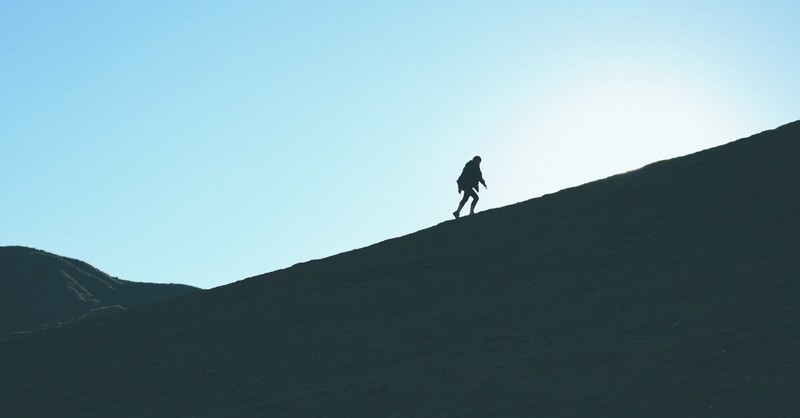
203	142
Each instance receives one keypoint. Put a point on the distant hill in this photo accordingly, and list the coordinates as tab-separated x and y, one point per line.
669	291
39	289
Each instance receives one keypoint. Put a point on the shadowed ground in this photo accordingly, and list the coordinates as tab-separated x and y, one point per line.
670	291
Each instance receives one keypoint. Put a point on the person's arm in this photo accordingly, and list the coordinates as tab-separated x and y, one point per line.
480	179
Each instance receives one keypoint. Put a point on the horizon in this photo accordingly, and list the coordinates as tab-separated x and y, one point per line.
203	143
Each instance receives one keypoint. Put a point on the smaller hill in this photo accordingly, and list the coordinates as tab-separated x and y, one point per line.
39	289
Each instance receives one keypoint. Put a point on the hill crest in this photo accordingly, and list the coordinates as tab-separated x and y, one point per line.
667	291
40	289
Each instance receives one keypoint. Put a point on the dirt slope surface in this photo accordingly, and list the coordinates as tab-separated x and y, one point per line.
669	291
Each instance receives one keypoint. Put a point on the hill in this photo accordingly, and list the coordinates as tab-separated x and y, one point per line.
670	291
39	289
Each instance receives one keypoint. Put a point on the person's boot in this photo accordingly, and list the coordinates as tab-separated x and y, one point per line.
457	213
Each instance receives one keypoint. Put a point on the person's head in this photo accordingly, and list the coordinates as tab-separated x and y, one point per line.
477	159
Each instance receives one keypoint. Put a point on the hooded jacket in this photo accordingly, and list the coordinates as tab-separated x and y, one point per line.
470	176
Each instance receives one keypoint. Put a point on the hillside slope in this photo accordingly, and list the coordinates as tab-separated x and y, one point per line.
39	289
668	291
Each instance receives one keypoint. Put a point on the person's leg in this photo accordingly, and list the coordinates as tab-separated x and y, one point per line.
474	201
461	204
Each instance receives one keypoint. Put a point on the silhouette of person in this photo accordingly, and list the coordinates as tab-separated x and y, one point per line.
468	183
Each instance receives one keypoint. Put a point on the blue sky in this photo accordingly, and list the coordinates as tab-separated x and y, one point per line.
203	142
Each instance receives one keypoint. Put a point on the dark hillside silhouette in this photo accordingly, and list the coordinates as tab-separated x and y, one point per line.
669	291
39	289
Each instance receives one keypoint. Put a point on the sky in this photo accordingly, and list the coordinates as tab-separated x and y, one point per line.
204	142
